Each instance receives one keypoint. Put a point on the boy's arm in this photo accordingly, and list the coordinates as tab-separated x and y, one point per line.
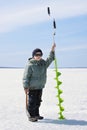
51	56
26	76
53	47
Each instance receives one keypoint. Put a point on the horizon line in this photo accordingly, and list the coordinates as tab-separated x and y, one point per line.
14	67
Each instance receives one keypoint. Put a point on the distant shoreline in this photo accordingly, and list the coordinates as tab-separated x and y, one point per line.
49	68
11	67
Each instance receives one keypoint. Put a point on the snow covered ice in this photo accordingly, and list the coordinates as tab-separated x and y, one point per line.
12	101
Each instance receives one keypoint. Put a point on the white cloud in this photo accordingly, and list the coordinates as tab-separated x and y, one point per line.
13	17
70	8
22	16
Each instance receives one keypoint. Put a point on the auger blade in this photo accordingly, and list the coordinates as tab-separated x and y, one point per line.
60	113
58	73
60	91
61	100
58	105
61	117
55	78
61	108
56	87
59	82
57	96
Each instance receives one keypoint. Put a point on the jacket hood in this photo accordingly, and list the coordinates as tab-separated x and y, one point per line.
35	62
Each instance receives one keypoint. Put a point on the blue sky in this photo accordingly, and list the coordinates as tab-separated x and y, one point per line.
25	25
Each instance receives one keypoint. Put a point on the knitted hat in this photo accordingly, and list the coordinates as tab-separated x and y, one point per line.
35	51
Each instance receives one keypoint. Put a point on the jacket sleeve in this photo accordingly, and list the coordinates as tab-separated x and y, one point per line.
50	58
26	76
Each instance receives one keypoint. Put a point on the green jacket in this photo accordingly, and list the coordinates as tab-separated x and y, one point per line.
35	72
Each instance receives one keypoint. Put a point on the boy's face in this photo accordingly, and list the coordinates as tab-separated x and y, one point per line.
38	56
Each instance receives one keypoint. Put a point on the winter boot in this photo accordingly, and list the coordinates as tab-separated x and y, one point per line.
33	119
39	117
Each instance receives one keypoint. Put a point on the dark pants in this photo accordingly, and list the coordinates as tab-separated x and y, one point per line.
34	102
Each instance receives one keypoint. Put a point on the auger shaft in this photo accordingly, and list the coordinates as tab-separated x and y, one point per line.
58	83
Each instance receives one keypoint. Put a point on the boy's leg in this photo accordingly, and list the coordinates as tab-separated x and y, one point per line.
34	103
31	105
38	103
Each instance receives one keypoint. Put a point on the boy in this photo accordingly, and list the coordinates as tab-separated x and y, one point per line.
34	80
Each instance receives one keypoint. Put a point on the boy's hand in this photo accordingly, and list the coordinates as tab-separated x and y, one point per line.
26	91
53	47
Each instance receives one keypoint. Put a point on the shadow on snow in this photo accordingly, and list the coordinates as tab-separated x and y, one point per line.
65	122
